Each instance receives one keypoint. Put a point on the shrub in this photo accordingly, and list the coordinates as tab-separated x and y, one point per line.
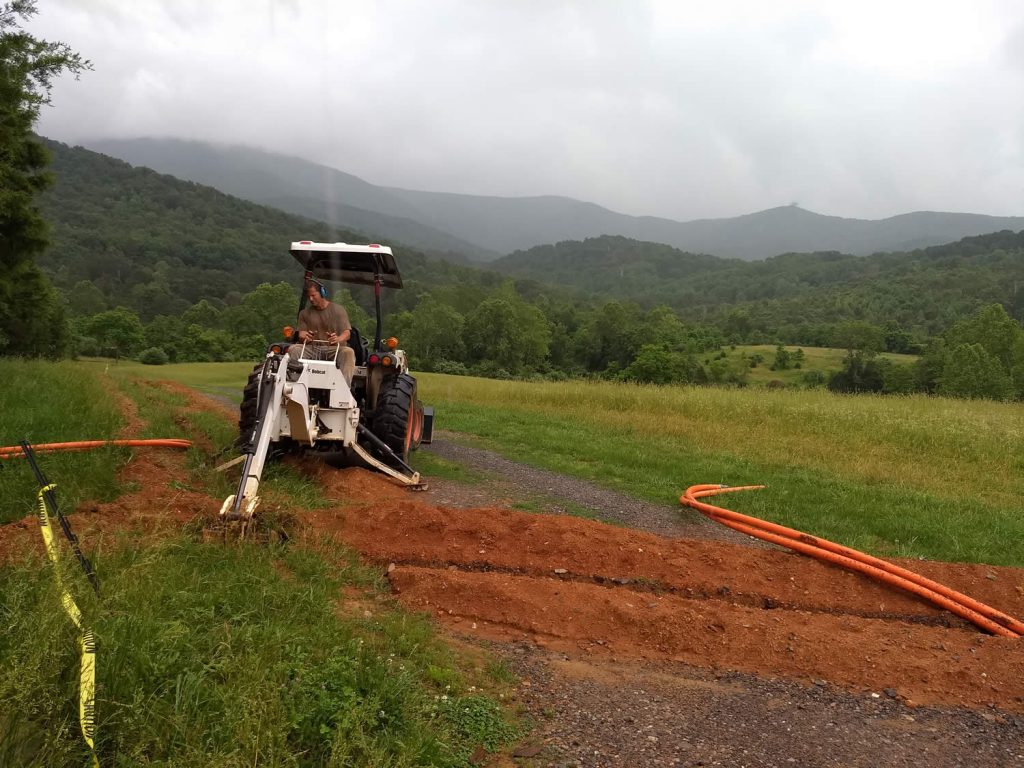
451	367
814	378
783	359
860	373
153	356
970	371
657	364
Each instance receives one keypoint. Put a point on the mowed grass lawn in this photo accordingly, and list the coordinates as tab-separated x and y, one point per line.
911	476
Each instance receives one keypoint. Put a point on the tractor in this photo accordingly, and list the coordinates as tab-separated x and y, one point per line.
297	404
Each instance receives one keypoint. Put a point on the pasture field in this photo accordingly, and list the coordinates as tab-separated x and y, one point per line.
911	476
825	359
222	379
245	654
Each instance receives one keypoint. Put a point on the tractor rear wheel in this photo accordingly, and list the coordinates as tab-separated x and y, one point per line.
398	417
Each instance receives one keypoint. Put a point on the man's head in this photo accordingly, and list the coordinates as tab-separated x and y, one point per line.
313	294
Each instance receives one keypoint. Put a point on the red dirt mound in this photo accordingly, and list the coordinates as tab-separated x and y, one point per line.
581	586
352	485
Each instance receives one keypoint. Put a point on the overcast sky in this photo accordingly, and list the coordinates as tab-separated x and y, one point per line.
675	108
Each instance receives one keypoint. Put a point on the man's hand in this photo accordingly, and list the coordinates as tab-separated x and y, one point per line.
305	335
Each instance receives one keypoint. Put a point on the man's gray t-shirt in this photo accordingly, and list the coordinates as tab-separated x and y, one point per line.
323	322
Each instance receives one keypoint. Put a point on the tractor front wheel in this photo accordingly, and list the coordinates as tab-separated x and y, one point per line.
398	417
248	412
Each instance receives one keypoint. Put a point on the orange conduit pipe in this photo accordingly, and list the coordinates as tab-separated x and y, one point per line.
980	614
14	451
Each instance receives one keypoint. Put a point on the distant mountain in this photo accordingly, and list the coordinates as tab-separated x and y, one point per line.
482	227
295	186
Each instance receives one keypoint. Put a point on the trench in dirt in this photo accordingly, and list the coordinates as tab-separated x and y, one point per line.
585	588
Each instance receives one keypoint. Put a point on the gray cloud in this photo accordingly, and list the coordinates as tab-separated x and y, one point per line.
862	109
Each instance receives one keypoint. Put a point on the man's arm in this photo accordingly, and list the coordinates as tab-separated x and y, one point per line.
303	322
341	318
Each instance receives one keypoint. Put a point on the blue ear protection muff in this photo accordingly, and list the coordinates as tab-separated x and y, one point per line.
321	288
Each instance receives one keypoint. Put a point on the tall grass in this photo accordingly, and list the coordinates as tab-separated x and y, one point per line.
951	448
232	656
45	402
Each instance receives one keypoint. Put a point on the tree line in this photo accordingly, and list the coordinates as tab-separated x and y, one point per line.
32	320
980	356
505	336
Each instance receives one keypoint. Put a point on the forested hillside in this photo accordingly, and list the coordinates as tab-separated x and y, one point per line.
125	236
293	185
922	291
163	269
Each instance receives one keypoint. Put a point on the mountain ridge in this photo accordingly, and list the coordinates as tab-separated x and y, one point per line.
482	227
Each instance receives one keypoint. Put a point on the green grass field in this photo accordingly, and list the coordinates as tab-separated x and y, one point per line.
234	656
824	359
221	379
238	655
56	402
912	476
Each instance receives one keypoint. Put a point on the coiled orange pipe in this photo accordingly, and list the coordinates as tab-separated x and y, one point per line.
980	614
14	451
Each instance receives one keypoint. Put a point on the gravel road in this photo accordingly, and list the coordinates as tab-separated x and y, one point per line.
661	714
510	481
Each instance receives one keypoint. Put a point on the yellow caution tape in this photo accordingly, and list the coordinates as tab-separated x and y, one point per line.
87	641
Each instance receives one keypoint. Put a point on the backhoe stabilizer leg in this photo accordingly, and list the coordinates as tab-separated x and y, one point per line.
411	481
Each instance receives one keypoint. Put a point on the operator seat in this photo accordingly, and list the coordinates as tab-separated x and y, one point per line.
358	345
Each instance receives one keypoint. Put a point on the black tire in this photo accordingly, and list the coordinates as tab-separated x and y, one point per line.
398	417
248	411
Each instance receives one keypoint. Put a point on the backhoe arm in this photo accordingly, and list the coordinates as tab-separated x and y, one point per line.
242	504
